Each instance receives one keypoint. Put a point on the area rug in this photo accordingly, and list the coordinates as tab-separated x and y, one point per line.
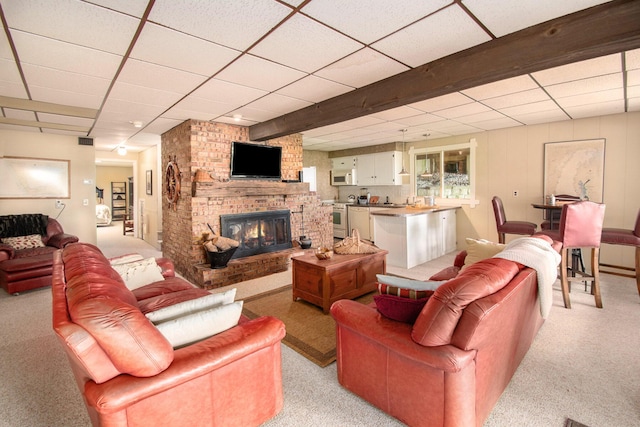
572	423
309	332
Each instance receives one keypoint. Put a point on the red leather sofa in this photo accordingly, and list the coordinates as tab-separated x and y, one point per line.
129	374
450	367
25	269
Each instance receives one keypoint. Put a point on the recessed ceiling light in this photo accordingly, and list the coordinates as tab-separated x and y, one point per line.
122	150
136	123
237	117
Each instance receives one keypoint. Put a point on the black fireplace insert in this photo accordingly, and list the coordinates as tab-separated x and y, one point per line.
258	232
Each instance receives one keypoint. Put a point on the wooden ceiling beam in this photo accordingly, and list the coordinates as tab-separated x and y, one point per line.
601	30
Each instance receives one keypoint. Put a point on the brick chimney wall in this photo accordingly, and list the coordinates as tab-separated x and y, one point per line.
200	145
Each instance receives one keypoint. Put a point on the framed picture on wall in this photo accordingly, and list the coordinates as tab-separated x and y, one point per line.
575	168
149	183
33	178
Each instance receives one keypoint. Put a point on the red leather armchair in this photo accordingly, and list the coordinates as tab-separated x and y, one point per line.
128	373
25	269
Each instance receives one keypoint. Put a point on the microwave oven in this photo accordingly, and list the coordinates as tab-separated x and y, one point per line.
343	177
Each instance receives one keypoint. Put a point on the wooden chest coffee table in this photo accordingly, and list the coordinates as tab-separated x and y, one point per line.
322	282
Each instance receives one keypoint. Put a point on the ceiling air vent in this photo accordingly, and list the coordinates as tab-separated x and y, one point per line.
85	141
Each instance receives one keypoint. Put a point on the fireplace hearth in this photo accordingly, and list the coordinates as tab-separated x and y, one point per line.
258	232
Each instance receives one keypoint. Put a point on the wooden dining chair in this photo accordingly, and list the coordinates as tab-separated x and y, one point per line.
509	227
621	236
580	227
554	221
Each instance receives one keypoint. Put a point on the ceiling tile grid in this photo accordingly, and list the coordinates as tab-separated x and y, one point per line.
266	58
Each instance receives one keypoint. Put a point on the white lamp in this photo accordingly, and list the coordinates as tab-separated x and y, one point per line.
426	173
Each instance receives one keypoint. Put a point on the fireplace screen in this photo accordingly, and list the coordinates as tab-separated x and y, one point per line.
258	232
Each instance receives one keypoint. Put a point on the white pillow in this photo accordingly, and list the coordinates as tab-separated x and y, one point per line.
416	285
139	273
192	306
124	259
200	325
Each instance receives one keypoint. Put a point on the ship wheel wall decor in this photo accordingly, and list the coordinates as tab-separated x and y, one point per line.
172	183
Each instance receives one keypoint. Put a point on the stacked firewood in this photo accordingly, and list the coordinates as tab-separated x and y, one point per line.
215	243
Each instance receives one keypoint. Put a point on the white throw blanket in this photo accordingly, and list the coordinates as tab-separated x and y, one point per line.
539	255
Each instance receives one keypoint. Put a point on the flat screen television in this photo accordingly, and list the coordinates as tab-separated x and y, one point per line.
253	161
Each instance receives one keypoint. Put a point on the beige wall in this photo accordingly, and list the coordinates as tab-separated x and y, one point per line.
512	159
76	218
105	175
151	218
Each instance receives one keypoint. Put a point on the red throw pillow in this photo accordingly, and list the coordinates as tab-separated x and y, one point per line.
403	292
398	308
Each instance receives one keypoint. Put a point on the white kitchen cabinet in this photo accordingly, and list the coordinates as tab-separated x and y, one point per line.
343	163
379	168
359	218
413	237
372	233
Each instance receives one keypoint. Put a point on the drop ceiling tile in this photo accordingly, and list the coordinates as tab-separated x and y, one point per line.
633	91
452	127
481	117
12	89
360	19
163	46
633	77
462	110
63	97
532	107
67	120
5	48
230	120
536	117
206	108
503	17
229	93
596	109
580	70
259	73
51	53
397	113
127	111
9	72
362	68
65	81
5	126
143	95
314	89
421	119
254	114
279	104
500	123
73	22
164	78
518	98
583	86
633	104
441	102
326	130
305	45
501	88
130	7
632	59
362	122
236	24
591	98
11	113
161	125
448	31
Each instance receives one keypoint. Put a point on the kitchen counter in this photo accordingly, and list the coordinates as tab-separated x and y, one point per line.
415	235
411	211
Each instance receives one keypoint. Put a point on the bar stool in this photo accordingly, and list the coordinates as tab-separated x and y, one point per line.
580	227
620	236
555	220
509	227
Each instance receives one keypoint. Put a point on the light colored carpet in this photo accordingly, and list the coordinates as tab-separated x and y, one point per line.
583	365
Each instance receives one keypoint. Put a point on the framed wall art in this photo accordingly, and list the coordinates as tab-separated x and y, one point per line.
33	178
149	183
575	168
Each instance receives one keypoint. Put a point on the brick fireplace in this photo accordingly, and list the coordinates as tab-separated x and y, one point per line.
258	232
205	146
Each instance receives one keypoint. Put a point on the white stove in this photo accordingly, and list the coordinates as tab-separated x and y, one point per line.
340	219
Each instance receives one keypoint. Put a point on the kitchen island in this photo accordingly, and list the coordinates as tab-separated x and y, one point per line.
414	235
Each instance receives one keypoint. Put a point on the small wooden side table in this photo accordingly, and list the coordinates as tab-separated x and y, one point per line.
322	282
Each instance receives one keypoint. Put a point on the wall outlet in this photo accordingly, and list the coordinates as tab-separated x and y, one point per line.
515	193
58	204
